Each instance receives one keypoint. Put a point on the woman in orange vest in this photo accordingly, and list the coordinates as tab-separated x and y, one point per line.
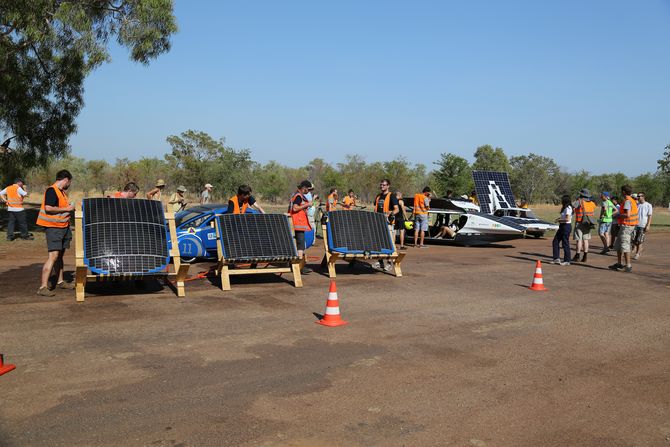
583	207
627	220
297	210
239	203
13	196
54	216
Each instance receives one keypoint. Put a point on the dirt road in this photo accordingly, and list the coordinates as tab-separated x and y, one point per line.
457	352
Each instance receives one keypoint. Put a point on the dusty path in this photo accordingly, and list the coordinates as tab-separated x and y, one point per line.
457	352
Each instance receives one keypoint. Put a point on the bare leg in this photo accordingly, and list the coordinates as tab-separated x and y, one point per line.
49	266
402	238
586	246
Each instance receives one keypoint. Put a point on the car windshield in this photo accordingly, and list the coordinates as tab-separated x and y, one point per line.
184	217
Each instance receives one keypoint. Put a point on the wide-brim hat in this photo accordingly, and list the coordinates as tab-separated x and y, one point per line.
181	188
585	193
208	185
160	182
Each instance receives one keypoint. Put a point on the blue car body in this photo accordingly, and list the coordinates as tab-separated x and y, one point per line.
196	234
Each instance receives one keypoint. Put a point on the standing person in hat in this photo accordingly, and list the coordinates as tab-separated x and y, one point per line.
157	192
12	196
297	208
206	195
177	200
607	210
644	213
584	209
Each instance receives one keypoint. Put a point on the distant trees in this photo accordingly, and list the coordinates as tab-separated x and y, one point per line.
532	177
453	173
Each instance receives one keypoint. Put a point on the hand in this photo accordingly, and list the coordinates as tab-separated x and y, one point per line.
70	207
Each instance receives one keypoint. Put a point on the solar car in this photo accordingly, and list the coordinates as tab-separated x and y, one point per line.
196	234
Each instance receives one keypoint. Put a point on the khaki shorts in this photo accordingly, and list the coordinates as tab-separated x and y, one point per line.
624	239
582	232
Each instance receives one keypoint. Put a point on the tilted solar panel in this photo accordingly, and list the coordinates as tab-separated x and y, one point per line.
124	236
359	232
494	190
505	220
256	237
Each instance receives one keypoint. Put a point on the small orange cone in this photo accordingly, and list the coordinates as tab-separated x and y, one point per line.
332	315
538	283
5	368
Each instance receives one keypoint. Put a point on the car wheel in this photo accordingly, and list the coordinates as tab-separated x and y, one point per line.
187	259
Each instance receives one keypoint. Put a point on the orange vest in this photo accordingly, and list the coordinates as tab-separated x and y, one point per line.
348	203
299	218
387	202
14	199
60	220
117	195
584	209
633	219
236	204
329	206
420	204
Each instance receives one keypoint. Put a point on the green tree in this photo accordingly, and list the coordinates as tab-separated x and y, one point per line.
48	47
489	159
453	173
271	181
664	163
99	172
531	177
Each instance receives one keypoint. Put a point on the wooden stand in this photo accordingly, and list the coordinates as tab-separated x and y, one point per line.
330	258
226	268
82	276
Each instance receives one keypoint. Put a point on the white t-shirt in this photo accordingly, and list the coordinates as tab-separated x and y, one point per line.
21	192
644	210
566	214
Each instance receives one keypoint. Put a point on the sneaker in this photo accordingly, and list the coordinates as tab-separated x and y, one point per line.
576	257
565	263
402	247
604	251
422	246
637	256
44	291
388	268
66	285
30	237
377	265
556	261
584	257
628	269
616	266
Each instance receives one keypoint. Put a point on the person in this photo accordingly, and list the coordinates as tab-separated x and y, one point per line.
583	207
386	202
311	211
605	221
448	195
473	198
331	202
524	206
157	192
206	195
349	201
239	203
644	214
177	200
627	220
129	192
297	209
400	219
12	196
562	235
54	215
615	223
421	207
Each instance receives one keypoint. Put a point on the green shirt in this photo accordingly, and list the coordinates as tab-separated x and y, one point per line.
606	211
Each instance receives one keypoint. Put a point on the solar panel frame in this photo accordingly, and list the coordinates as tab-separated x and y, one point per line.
504	197
124	237
359	232
256	238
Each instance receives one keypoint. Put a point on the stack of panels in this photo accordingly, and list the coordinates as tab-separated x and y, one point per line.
494	190
256	237
359	232
125	236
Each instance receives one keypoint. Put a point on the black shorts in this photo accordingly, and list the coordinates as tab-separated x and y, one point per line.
399	223
300	240
638	236
58	238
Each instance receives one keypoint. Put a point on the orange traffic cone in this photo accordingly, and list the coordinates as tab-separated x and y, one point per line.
5	368
538	283
332	315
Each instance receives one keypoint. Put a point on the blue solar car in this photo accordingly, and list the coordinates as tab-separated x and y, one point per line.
196	234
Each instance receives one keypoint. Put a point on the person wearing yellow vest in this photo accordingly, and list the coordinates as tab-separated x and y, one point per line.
386	202
54	216
297	209
583	207
421	207
129	192
627	220
13	196
607	210
239	203
349	201
331	202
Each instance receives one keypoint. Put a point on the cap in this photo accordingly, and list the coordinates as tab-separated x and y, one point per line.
208	185
181	188
464	197
606	194
634	195
585	193
160	182
305	184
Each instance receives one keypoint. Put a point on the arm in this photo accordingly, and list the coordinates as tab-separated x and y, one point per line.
151	193
258	207
3	195
302	206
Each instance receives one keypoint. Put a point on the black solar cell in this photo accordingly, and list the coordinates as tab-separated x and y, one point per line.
256	237
124	236
494	190
359	232
505	220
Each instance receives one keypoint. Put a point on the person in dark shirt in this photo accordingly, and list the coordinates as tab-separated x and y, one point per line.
239	203
386	202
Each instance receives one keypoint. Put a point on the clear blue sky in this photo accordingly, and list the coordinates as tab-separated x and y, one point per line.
584	82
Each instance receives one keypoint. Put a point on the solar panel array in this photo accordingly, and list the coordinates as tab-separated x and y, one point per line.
359	232
256	237
124	236
494	190
513	222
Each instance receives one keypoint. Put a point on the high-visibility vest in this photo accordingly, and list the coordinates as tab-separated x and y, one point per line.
420	204
14	199
299	218
584	209
236	205
59	220
331	206
117	195
348	203
608	210
633	219
387	202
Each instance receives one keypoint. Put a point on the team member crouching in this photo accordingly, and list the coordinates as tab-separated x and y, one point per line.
239	203
298	211
129	192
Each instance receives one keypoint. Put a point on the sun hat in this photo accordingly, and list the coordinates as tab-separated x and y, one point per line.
585	193
160	182
208	185
181	188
